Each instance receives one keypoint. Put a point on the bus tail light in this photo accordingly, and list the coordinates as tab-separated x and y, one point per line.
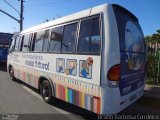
114	75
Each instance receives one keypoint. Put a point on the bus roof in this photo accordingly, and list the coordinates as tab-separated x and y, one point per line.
68	18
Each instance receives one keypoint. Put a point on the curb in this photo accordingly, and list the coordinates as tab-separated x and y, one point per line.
152	91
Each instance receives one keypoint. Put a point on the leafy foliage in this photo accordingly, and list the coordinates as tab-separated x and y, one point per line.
153	58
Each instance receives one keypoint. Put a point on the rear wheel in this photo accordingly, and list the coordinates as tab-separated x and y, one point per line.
11	73
46	91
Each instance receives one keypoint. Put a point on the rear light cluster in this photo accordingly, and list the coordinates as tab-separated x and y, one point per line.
114	75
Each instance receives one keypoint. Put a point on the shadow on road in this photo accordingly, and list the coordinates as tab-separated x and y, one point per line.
85	114
3	67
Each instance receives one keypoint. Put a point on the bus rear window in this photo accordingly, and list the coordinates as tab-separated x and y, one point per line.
130	34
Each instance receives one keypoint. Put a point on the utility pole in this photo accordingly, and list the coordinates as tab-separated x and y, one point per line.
21	15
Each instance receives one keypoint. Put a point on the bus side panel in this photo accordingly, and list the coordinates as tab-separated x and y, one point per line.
73	88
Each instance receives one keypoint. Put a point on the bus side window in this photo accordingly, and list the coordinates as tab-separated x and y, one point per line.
39	41
46	40
17	43
33	41
69	38
25	43
95	36
30	42
56	39
12	45
21	40
89	36
84	36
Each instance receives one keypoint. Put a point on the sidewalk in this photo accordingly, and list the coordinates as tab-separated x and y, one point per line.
152	91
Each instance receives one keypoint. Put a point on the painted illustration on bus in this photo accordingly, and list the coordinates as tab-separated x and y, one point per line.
134	44
71	67
60	65
85	69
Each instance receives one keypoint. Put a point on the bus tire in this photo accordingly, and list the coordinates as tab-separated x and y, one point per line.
46	91
11	73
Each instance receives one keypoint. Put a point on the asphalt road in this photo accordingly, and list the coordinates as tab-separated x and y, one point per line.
20	99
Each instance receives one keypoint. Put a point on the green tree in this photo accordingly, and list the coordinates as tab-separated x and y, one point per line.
153	57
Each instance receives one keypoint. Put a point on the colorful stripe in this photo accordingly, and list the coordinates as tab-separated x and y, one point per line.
80	99
78	93
27	78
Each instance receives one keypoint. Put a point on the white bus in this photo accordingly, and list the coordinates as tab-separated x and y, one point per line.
94	59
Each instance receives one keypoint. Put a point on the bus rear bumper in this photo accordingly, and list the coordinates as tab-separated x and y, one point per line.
131	98
114	103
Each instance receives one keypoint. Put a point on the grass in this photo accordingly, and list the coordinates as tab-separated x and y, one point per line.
151	82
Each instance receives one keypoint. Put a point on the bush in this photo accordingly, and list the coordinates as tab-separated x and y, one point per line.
152	67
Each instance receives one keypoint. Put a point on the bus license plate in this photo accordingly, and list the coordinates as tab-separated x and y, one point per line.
133	97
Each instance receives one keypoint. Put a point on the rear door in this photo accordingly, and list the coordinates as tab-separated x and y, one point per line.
132	50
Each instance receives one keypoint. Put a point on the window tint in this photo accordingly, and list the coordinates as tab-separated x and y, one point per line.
89	37
69	38
25	42
46	40
39	41
56	39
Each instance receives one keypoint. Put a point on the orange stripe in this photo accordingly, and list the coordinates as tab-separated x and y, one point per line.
98	105
94	104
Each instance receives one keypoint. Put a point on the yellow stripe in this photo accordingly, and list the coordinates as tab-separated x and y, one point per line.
83	103
66	92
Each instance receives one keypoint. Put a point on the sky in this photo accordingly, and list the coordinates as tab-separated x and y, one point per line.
36	11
